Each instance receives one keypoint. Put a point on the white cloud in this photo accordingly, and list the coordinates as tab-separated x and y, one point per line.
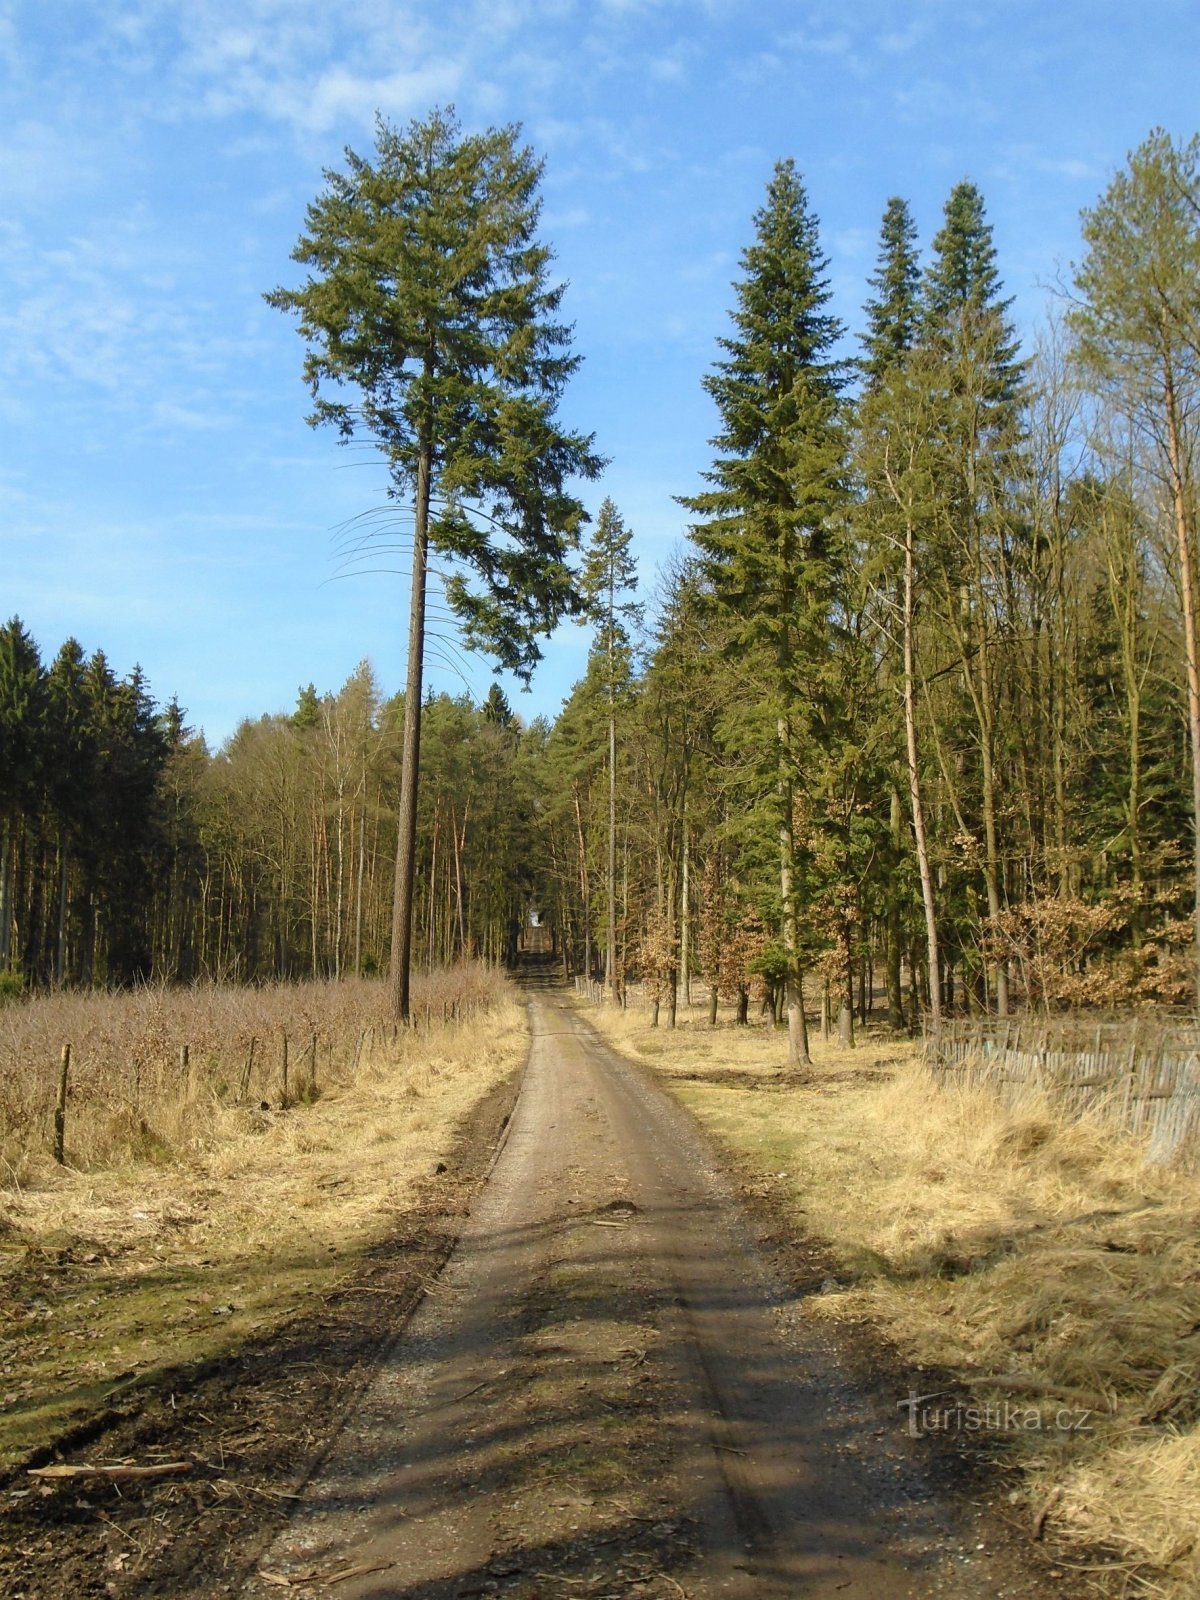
855	243
898	41
569	217
837	43
1071	167
40	162
103	319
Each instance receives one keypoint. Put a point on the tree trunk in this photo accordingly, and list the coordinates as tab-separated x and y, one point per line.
895	926
1183	545
914	790
5	893
798	1055
406	833
358	891
60	949
685	953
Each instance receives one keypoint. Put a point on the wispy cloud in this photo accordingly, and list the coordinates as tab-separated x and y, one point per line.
102	317
41	162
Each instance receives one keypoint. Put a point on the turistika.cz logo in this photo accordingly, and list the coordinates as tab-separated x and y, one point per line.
994	1416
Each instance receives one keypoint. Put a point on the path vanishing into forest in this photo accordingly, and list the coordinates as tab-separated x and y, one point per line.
607	1392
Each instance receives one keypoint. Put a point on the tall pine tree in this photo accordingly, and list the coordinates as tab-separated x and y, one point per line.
894	311
430	294
766	526
970	339
609	580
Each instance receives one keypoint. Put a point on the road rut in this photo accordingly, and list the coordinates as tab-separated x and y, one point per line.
608	1393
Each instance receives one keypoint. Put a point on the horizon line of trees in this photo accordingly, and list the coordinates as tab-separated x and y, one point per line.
918	707
130	852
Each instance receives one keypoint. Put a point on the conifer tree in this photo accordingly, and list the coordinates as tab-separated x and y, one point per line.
22	696
70	777
766	526
609	578
429	293
894	312
969	336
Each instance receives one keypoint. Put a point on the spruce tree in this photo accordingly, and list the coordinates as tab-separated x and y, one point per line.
609	578
767	525
965	318
22	704
974	360
429	294
894	312
71	746
893	318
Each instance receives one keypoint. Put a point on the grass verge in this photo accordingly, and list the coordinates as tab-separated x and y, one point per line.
181	1253
1040	1264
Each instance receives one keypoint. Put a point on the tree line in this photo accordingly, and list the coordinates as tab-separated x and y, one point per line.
132	852
918	706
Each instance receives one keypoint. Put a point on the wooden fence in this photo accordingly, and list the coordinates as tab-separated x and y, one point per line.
1141	1077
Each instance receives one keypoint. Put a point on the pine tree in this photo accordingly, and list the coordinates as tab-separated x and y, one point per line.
22	698
767	526
72	755
894	320
975	363
894	313
609	577
430	295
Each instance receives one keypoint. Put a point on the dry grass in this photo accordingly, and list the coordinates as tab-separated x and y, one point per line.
1041	1261
229	1216
132	1099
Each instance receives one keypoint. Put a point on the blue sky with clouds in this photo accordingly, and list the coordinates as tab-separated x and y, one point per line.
160	494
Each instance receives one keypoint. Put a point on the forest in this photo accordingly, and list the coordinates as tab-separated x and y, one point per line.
910	720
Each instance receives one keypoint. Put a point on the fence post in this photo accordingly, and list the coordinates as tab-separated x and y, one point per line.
60	1108
246	1071
284	1064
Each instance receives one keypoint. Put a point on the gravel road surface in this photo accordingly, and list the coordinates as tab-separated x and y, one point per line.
607	1392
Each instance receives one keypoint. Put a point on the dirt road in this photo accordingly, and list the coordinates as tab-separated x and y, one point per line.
608	1393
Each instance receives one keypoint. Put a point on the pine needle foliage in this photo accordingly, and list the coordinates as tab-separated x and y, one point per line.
430	295
764	525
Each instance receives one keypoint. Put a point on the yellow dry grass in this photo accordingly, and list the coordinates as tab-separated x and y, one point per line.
1042	1262
221	1226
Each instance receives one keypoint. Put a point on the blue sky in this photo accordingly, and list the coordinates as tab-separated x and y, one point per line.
161	497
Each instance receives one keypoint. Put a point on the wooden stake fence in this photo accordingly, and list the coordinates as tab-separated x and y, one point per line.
366	1042
1142	1079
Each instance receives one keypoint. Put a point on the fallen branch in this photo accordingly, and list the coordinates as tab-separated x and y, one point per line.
67	1469
291	1580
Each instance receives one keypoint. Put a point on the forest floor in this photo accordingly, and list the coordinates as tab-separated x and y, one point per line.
612	1386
